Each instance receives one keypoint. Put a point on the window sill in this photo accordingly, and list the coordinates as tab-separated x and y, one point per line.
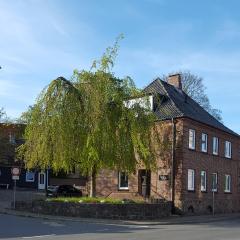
192	149
225	192
191	191
123	189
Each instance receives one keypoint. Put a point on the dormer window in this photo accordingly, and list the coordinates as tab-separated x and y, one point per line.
145	102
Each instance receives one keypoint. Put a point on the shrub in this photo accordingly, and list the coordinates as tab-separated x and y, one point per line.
91	200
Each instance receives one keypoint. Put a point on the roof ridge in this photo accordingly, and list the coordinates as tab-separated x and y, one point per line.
177	106
202	108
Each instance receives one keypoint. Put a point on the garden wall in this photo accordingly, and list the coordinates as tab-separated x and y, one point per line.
127	211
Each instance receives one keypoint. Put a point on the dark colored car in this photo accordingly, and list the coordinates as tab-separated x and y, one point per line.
63	191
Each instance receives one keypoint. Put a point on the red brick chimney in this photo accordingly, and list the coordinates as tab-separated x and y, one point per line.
175	80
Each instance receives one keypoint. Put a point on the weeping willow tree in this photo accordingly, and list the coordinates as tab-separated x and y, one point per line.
86	123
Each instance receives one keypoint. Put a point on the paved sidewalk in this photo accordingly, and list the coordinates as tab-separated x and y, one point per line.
172	220
6	196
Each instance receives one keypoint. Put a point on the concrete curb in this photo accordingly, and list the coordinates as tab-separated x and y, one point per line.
173	220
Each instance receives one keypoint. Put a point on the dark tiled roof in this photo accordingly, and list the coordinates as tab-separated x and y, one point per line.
177	104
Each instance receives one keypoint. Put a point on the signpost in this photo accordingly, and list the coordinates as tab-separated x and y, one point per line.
15	176
213	198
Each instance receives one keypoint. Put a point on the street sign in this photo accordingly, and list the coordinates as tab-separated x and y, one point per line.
15	177
15	171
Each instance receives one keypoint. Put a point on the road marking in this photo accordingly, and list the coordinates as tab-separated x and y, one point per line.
40	236
144	226
54	224
139	226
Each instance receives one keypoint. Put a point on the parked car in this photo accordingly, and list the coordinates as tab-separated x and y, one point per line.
63	191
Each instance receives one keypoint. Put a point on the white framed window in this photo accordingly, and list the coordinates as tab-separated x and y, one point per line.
12	139
191	180
204	142
30	176
227	183
145	102
203	181
214	182
228	149
122	180
192	139
215	145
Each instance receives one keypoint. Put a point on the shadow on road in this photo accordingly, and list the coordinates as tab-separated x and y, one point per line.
19	227
25	227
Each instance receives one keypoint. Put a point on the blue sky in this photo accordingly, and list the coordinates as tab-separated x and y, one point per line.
41	40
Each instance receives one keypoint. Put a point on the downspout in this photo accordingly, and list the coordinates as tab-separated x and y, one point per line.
173	165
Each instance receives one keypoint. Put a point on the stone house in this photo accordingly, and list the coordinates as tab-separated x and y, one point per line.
199	172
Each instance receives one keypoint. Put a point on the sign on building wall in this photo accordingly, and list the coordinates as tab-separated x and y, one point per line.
163	177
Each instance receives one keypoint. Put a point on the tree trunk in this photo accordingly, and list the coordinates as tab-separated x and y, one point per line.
93	183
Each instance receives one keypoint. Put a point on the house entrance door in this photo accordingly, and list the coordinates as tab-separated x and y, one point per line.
41	180
144	182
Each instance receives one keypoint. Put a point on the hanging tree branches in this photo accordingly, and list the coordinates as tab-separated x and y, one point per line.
84	123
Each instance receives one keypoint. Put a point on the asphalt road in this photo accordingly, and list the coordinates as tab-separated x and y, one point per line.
13	227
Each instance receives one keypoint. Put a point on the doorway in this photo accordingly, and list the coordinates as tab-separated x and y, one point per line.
41	180
144	182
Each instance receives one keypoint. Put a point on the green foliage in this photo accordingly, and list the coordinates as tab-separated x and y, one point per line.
84	123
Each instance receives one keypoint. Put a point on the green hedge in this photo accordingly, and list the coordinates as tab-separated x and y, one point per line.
91	200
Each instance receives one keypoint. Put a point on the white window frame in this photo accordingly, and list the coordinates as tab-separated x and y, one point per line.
145	102
203	184
30	180
191	180
216	188
204	142
228	182
192	139
228	149
215	145
119	181
12	138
